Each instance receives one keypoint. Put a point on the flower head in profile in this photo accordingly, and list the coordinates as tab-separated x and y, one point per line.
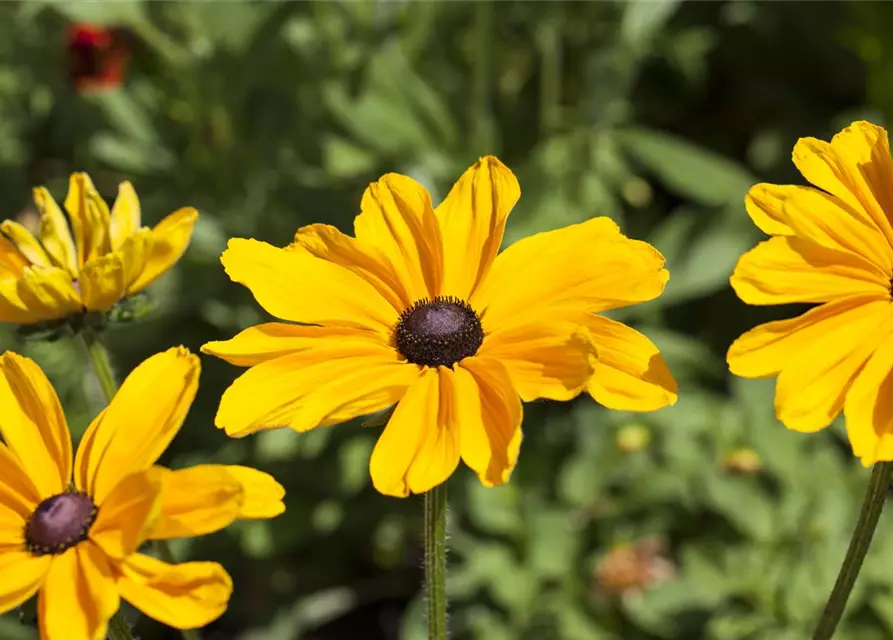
832	245
102	258
72	531
418	310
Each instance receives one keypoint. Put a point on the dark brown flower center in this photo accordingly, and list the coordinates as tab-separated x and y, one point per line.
438	332
59	523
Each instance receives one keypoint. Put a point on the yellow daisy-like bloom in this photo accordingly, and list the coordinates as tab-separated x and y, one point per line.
831	245
110	257
72	531
419	310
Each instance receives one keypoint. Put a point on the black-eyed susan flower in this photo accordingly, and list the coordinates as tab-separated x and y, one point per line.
419	310
831	245
102	258
71	530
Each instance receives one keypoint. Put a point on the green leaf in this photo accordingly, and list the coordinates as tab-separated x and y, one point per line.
709	263
102	13
688	169
553	543
642	20
344	159
742	504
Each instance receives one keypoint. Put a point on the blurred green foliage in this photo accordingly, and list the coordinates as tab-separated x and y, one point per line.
267	116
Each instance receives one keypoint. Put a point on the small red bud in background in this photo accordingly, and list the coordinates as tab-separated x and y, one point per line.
97	56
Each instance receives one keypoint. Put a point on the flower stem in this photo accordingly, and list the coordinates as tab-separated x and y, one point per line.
435	561
481	104
102	365
118	629
872	505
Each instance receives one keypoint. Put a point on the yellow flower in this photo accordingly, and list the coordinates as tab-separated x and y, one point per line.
110	257
418	309
72	531
832	245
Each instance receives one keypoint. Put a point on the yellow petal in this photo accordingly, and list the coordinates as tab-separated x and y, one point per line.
419	447
131	433
766	349
587	267
297	286
33	424
102	281
263	495
811	387
23	574
856	167
196	501
326	242
89	218
397	217
26	244
54	233
124	219
472	219
869	408
489	417
275	339
783	270
12	308
630	374
183	596
170	237
18	494
335	380
79	595
48	293
12	262
545	359
127	514
764	203
822	219
136	252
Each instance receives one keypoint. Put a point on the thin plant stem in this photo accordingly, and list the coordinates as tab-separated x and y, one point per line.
118	629
435	561
549	44
872	506
482	73
102	366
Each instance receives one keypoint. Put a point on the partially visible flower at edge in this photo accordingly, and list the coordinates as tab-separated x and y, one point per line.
831	245
97	56
418	310
72	531
109	257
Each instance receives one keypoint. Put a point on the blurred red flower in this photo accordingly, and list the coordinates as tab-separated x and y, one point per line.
97	56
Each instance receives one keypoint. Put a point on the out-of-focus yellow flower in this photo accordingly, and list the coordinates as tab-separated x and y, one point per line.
831	245
419	310
103	257
72	531
746	462
633	437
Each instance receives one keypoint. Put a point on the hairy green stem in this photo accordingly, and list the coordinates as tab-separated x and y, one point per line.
118	629
102	365
872	506
435	561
